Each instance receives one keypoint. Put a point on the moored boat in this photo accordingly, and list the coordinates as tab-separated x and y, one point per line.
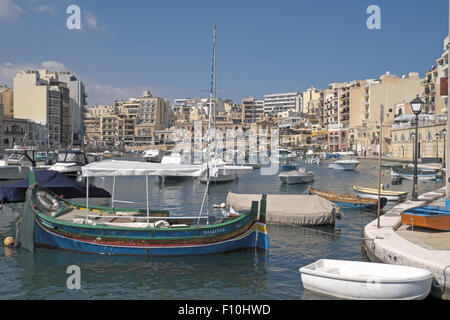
70	162
408	173
366	281
52	222
390	195
349	201
347	164
296	176
429	217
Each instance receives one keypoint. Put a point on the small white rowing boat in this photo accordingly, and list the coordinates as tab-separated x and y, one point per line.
366	281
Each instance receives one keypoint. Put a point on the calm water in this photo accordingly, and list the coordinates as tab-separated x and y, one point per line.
236	275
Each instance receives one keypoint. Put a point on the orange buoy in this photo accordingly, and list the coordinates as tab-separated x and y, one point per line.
9	241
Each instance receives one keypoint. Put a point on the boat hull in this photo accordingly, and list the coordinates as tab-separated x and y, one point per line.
221	178
255	237
296	179
13	172
373	194
366	281
350	202
343	166
427	217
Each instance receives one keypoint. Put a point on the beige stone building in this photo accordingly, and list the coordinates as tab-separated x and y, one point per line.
7	98
431	137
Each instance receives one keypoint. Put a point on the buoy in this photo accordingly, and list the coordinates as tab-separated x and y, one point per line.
9	241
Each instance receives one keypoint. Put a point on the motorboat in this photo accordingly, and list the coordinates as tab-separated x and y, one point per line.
408	173
349	201
17	163
220	172
296	176
347	164
290	166
366	281
391	195
153	155
70	162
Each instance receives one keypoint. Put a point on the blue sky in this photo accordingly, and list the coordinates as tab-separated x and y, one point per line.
263	46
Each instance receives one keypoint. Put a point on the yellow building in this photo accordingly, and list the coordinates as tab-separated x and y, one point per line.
7	98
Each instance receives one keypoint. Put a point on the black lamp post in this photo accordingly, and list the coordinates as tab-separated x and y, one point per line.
416	106
437	135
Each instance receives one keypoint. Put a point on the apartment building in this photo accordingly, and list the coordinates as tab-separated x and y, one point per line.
40	97
434	103
7	98
252	110
279	102
389	91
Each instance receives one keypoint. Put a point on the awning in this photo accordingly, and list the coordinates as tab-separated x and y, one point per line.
137	168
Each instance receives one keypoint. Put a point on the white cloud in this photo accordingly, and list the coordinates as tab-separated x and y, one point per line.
9	70
102	94
9	11
91	21
44	9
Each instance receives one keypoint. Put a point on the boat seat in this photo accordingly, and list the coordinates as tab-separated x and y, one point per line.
332	270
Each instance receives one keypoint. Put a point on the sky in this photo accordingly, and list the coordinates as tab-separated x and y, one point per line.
263	47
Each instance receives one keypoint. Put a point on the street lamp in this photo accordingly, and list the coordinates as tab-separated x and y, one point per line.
416	106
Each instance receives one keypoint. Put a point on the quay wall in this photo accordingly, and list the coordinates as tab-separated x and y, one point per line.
385	245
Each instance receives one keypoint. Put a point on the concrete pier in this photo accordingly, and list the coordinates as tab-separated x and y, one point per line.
395	243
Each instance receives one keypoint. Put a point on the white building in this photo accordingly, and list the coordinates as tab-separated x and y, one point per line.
279	102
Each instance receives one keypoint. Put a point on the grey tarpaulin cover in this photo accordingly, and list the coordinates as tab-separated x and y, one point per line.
300	210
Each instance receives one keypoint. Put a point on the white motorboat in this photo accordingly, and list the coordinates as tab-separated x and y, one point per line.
17	163
153	155
70	162
366	281
221	172
348	164
296	176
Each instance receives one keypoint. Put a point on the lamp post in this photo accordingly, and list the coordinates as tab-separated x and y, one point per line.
437	135
416	106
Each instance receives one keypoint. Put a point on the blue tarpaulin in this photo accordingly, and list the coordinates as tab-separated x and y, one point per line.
55	182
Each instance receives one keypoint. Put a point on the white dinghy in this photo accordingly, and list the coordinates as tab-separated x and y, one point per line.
366	281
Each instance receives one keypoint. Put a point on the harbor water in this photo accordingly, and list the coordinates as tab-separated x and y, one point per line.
239	275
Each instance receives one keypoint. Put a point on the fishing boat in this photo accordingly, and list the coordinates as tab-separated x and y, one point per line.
408	173
296	176
390	195
52	222
349	201
347	164
366	281
70	162
429	217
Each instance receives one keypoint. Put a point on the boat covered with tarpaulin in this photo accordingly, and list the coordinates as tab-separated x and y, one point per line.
297	210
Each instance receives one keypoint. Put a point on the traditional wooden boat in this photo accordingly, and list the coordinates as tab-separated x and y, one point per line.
390	195
430	217
366	281
349	201
50	221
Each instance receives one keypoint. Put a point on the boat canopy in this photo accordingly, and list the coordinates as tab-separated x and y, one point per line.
137	168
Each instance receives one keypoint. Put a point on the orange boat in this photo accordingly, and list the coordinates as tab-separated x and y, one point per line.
430	217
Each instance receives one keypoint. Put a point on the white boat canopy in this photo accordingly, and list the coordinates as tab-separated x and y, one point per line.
137	168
